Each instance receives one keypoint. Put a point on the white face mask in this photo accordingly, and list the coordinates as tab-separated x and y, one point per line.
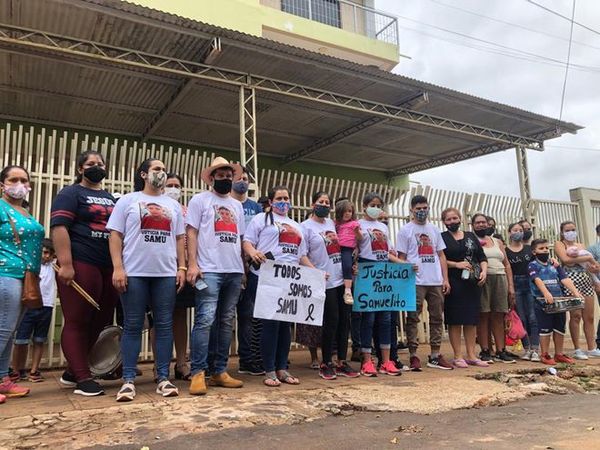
570	235
173	192
373	212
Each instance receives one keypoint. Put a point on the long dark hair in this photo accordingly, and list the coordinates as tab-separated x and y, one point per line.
7	169
271	196
138	181
82	159
174	175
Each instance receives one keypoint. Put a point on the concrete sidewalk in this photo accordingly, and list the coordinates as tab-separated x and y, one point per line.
50	397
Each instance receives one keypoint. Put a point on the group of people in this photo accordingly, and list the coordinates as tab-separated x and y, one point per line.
149	256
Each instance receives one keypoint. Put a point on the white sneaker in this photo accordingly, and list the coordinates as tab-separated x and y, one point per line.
580	354
527	355
126	393
594	353
167	389
535	356
348	299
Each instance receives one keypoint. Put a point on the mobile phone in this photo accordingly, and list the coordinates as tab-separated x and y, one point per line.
201	284
256	266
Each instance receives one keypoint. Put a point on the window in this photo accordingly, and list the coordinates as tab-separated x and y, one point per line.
324	11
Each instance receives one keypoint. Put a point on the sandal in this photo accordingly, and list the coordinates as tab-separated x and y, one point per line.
271	380
287	378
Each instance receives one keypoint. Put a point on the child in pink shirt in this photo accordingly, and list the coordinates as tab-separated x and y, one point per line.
348	232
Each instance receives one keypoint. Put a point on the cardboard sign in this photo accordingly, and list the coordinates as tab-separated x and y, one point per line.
385	286
290	293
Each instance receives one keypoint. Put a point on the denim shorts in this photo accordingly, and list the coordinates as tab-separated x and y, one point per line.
35	322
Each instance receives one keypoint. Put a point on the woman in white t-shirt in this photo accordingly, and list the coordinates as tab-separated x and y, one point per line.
373	246
275	235
148	255
325	253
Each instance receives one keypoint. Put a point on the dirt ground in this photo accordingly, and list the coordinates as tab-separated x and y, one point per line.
351	409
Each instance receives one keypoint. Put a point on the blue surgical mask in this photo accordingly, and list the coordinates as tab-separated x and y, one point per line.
281	207
517	236
241	187
373	212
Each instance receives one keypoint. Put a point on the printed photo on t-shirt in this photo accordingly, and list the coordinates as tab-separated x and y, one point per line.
99	209
332	246
225	224
379	243
289	238
155	222
425	248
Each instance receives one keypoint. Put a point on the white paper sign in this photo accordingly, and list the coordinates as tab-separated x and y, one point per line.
290	293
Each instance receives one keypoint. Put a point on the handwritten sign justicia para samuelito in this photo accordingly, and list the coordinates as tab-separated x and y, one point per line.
290	293
385	286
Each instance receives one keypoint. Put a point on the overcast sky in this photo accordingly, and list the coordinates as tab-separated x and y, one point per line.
449	60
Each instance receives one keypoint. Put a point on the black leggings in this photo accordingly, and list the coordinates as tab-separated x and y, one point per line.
336	324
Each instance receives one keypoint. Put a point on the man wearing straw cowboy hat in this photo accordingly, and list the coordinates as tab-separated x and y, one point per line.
215	224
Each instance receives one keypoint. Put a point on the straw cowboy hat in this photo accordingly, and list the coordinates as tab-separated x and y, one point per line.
218	163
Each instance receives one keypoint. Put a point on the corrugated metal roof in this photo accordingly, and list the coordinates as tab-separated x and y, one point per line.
125	100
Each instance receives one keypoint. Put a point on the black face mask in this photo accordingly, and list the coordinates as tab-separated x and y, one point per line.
321	211
543	257
95	174
527	235
490	231
481	233
222	186
453	227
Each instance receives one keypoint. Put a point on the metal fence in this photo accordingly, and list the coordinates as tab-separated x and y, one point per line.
343	14
50	156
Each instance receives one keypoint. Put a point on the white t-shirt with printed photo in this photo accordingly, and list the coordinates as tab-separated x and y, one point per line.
220	224
324	249
283	238
150	225
374	245
421	244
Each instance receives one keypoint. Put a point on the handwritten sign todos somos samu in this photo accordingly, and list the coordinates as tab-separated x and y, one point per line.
290	293
385	286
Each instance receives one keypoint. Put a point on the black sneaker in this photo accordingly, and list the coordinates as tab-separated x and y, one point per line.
504	358
438	362
251	370
511	354
401	366
485	355
345	370
68	379
327	371
88	388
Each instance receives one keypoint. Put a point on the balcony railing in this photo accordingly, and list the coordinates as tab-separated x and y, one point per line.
343	14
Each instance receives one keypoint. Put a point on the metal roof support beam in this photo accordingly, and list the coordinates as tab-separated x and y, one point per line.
524	184
12	36
181	91
248	148
321	144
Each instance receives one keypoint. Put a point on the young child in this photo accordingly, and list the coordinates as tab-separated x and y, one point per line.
545	281
36	322
348	232
573	251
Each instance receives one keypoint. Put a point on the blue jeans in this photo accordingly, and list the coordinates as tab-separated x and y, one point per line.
223	291
10	316
526	311
275	341
384	324
159	293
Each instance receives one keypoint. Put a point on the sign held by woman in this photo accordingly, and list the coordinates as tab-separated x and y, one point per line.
290	293
384	286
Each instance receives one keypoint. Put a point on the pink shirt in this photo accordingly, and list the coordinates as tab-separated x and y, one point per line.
345	232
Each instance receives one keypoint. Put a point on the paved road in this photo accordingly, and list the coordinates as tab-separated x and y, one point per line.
545	422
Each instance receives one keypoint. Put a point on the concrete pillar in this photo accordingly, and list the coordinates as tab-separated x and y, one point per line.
589	203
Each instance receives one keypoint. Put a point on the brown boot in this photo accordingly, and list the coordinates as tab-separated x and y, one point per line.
225	380
198	385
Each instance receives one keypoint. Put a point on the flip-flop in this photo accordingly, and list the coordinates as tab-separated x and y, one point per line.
271	380
288	379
